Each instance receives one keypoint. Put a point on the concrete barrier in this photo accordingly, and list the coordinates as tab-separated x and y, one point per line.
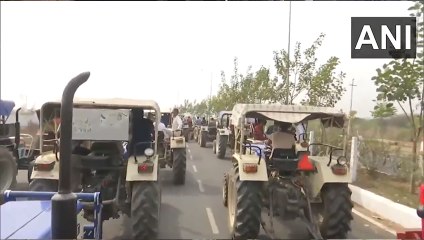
405	216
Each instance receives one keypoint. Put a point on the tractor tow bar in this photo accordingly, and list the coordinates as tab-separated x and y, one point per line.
310	221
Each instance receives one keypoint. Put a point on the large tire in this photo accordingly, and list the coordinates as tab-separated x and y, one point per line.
222	147
214	146
9	170
195	134
203	139
44	185
145	209
225	191
336	212
179	166
246	210
30	169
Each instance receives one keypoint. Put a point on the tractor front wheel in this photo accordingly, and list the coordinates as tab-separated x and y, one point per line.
30	169
145	209
179	165
244	207
203	139
222	146
225	191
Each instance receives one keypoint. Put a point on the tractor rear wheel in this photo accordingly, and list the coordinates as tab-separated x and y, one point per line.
179	165
222	146
244	208
336	211
145	209
9	170
203	139
214	146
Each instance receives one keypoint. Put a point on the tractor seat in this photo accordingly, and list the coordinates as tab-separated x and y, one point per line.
103	154
284	159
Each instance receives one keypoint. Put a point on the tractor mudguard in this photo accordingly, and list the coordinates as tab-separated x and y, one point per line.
132	169
46	158
223	132
324	175
251	159
177	142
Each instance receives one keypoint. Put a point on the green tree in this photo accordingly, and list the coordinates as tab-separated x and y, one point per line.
383	110
400	82
321	85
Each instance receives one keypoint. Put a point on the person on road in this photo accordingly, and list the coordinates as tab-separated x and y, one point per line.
189	122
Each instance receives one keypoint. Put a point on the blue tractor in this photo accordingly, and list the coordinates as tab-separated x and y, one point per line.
52	215
16	149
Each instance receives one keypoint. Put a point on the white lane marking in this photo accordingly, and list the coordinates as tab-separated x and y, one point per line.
191	157
374	222
200	186
194	168
188	149
212	221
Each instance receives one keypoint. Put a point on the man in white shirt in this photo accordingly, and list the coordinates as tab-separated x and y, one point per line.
300	132
177	124
162	127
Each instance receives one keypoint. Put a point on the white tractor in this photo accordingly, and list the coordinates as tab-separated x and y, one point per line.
289	183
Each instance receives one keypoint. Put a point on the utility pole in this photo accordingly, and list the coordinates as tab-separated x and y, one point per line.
210	98
288	58
352	85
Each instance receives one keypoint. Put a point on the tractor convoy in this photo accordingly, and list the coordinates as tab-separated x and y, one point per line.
103	158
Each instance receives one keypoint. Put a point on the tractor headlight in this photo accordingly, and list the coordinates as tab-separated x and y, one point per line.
342	160
149	152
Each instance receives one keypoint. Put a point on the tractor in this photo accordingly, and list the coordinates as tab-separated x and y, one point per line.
224	135
53	214
288	183
16	149
172	152
113	153
205	133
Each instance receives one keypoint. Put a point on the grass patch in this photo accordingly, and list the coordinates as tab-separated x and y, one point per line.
389	187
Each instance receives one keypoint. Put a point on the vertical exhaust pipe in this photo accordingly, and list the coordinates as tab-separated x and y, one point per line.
64	203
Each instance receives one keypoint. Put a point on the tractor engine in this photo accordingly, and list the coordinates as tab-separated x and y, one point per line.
288	199
105	182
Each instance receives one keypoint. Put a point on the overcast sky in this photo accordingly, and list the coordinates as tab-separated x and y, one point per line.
167	51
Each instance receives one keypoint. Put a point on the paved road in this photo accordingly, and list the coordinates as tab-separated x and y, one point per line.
195	210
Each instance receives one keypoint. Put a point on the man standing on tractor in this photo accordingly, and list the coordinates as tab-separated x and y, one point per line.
204	122
198	121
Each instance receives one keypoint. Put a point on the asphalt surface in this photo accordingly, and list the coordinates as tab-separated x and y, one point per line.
195	210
